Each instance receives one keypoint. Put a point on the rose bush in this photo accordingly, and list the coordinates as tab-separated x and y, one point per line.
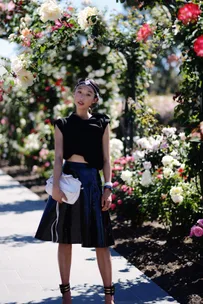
154	184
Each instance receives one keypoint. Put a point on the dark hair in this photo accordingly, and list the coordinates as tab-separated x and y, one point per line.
91	83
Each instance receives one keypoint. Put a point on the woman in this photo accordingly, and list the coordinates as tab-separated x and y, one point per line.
82	139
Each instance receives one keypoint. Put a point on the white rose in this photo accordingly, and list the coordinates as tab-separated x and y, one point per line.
126	176
167	172
146	178
11	37
147	165
83	16
88	68
70	48
49	10
176	190
182	136
23	122
169	131
16	64
167	160
32	142
25	78
144	143
174	153
176	143
99	73
103	50
138	154
155	143
27	19
177	198
116	147
176	163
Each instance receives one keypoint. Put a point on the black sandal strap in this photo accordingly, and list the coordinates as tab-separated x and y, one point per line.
109	290
64	288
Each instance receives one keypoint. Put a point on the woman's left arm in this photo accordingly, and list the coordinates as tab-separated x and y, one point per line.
106	197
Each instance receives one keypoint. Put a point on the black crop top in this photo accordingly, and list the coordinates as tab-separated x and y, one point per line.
83	137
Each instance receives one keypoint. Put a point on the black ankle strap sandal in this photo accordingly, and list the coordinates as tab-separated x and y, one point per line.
64	288
109	290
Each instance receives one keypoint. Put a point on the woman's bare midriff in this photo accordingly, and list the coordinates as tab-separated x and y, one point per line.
77	158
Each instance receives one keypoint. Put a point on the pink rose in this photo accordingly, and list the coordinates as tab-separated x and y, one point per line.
130	191
118	168
130	158
43	153
113	206
57	25
47	164
4	120
124	188
172	58
196	231
39	35
10	6
117	161
2	7
200	222
115	184
123	162
198	46
144	32
119	202
189	13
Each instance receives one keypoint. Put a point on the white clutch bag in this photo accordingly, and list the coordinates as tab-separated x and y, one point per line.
68	184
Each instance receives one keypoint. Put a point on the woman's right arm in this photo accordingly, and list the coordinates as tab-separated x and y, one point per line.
57	194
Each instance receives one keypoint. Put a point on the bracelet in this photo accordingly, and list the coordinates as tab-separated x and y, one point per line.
108	187
108	184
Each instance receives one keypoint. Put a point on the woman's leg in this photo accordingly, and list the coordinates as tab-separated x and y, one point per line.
105	268
64	261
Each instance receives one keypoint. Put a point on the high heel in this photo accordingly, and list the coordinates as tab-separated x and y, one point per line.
110	291
64	288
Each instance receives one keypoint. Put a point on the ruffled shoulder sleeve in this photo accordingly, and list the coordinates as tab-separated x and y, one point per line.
104	119
60	123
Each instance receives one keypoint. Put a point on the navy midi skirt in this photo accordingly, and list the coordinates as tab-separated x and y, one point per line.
82	223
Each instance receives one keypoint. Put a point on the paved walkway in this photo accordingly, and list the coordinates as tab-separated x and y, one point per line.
28	267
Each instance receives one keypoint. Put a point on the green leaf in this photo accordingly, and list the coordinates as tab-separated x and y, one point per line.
42	48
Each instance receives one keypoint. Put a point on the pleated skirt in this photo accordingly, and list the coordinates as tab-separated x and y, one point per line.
82	223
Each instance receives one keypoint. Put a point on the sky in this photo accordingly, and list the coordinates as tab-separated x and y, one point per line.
7	49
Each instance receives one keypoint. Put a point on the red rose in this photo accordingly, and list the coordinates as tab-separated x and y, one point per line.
119	202
113	206
189	13
144	32
198	46
47	121
47	88
114	196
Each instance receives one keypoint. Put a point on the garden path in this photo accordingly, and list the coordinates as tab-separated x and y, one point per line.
28	267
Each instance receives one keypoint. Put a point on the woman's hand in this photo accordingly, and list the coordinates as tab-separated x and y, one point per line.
58	195
106	199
